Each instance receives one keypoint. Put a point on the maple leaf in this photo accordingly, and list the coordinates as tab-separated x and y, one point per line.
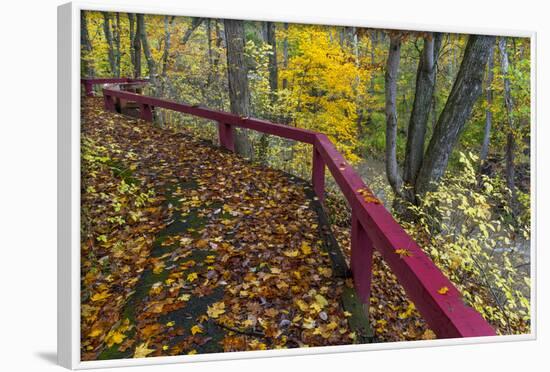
429	335
403	252
306	248
184	297
114	337
320	300
196	329
291	253
216	309
100	296
142	350
325	271
443	290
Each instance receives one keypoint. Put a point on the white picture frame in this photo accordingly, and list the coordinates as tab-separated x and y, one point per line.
69	185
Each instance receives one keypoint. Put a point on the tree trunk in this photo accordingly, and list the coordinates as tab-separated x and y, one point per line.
196	22
418	123
109	39
273	71
464	93
488	113
285	54
151	64
510	140
116	41
373	42
131	26
391	76
137	50
85	46
239	94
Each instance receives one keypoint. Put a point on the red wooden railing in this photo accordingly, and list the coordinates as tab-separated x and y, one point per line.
373	227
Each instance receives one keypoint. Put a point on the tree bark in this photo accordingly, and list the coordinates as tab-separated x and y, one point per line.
464	93
116	41
391	76
239	94
195	23
285	55
510	140
151	64
273	71
109	39
85	45
131	26
418	123
137	50
488	113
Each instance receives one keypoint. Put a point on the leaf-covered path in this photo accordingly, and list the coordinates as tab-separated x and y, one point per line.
187	248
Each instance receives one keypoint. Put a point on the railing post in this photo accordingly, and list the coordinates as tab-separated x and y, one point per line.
146	112
318	175
108	102
226	136
89	88
361	259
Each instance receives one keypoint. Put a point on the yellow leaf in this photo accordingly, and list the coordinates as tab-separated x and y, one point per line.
114	337
101	296
95	332
142	351
403	252
292	253
192	352
429	335
196	329
216	309
306	248
192	277
184	297
443	290
301	304
325	271
321	301
170	324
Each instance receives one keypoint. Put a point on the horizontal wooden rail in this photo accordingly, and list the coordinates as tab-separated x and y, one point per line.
89	83
373	227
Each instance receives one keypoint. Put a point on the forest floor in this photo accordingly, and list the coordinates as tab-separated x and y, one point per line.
187	248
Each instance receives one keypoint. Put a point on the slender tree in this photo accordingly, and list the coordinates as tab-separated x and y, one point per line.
239	94
391	76
488	111
85	45
137	50
285	55
109	39
510	138
132	34
464	93
273	70
418	123
151	64
423	169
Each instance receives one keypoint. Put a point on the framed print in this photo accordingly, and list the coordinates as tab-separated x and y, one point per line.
245	187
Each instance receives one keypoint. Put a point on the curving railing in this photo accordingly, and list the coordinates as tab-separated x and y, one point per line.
373	227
